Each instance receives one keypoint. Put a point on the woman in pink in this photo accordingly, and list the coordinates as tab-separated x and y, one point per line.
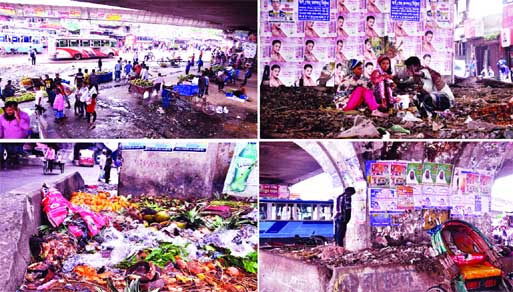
383	83
58	105
356	87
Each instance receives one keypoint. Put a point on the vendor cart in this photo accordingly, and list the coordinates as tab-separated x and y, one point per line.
469	260
139	90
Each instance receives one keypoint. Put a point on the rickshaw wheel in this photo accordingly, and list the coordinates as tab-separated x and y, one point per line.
437	288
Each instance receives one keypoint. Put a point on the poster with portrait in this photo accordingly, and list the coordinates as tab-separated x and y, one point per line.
377	6
429	172
405	199
280	10
380	219
280	50
418	199
379	174
398	173
372	25
486	182
317	50
414	173
346	26
287	72
382	199
443	174
437	14
318	29
347	6
400	28
282	30
350	49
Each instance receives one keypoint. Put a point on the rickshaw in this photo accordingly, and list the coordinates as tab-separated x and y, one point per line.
468	258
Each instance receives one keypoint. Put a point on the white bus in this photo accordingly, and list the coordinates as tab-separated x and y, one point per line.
82	47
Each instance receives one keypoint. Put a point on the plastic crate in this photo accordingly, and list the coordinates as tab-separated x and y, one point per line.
186	90
103	78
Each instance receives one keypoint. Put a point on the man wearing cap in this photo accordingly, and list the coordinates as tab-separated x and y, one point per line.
342	214
14	123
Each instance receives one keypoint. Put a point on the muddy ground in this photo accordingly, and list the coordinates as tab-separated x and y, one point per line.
125	115
481	112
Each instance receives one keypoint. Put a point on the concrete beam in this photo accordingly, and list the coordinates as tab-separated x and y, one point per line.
22	215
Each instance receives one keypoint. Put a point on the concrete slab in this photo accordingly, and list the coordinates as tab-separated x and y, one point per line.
21	216
281	274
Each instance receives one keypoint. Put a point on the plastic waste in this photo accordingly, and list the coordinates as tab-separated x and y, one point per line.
468	120
398	129
240	242
362	129
409	117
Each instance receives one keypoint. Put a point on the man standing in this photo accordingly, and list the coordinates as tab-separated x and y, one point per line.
100	64
33	52
49	86
117	71
101	163
342	214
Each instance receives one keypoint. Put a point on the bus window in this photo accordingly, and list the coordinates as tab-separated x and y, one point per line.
105	43
25	39
73	43
62	43
85	43
263	211
96	43
305	212
15	39
113	44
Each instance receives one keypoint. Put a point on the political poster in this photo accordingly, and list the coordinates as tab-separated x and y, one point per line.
401	10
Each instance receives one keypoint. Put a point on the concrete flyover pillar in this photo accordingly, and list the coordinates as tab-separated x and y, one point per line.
338	159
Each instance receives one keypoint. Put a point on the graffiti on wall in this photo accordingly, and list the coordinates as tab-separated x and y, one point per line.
378	281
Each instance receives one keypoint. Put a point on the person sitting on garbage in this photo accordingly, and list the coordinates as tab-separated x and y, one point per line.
383	83
14	123
355	89
342	214
434	94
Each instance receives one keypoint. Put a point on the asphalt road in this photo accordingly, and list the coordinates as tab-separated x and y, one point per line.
13	178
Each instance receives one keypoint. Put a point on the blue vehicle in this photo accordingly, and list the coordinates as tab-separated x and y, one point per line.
21	43
287	220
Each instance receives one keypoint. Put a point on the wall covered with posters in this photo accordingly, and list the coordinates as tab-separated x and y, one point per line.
311	37
409	198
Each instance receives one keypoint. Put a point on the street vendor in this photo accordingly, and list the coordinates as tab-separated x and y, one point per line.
8	90
435	94
342	214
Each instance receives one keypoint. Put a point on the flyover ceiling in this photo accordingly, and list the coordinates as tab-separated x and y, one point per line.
285	163
226	14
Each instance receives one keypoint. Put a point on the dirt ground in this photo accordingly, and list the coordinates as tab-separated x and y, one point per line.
481	111
125	115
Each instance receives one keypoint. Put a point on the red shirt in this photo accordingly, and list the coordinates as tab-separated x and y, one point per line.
90	107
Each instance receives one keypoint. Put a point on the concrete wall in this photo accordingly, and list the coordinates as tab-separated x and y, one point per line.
281	274
22	215
381	278
187	175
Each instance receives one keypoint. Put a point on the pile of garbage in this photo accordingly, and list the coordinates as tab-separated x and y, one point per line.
420	256
483	109
101	242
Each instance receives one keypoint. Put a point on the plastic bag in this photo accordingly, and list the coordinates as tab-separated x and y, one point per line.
146	95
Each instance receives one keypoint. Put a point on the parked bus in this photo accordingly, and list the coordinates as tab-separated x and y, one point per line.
79	47
282	220
20	42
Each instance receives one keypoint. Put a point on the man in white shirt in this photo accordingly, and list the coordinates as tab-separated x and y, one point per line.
102	161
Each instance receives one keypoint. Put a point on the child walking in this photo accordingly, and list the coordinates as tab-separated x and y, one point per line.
91	110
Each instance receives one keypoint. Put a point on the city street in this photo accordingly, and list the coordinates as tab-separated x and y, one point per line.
10	178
